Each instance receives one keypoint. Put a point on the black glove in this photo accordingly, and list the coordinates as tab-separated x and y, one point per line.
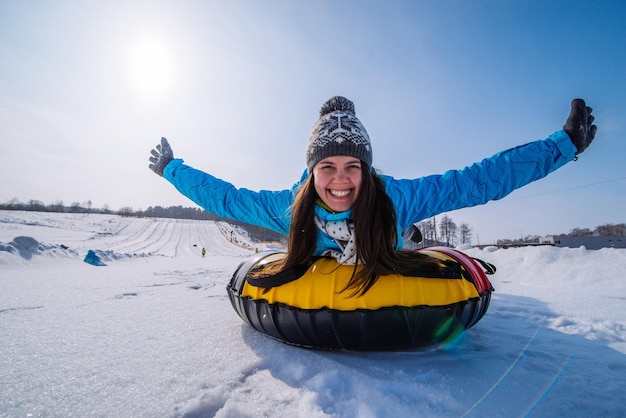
579	126
161	156
412	233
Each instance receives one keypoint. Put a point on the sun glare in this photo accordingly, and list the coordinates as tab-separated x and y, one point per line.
150	66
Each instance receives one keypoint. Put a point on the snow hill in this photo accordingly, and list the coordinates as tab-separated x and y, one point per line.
151	333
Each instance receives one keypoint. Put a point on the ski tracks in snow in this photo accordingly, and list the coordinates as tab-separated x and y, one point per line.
165	237
116	238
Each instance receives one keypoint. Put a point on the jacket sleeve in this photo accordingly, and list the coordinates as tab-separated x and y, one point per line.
268	209
491	179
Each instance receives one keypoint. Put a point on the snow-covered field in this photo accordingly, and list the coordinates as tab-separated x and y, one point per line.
152	334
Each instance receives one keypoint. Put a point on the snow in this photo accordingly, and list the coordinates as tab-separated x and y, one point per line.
152	333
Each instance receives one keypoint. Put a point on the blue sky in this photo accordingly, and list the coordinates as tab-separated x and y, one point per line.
88	88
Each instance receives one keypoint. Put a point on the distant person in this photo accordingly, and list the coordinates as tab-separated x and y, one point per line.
203	251
343	208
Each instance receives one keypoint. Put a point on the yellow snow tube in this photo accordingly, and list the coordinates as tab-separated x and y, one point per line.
397	312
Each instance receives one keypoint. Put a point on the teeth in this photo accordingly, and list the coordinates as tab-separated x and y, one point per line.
340	193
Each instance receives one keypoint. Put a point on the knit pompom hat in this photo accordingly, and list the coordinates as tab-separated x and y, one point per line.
338	132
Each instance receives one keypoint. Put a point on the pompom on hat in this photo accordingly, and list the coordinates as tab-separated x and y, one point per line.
338	132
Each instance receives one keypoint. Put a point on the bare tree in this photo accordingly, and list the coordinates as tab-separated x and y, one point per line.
126	211
611	230
466	233
447	229
36	205
427	228
57	206
580	232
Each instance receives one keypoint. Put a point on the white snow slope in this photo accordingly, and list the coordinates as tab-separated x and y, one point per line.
152	334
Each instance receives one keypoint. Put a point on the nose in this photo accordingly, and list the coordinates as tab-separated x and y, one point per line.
341	175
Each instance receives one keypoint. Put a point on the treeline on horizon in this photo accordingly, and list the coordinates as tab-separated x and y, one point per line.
441	229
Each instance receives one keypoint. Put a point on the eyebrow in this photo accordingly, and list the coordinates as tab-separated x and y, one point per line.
356	160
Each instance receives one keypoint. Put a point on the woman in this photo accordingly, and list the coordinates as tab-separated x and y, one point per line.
342	208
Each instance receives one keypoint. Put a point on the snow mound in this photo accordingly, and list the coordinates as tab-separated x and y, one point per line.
97	257
26	247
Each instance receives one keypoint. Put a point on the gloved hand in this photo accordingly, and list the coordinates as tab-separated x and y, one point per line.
412	233
161	156
579	126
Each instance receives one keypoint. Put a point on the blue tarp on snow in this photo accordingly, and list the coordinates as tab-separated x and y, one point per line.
93	259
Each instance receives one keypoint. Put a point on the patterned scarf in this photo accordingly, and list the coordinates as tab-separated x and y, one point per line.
342	231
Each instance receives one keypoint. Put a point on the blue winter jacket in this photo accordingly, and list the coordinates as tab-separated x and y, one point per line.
414	200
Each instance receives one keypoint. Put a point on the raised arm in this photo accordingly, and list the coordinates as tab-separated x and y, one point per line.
494	177
268	209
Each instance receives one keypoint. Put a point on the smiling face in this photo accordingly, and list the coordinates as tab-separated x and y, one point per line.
337	181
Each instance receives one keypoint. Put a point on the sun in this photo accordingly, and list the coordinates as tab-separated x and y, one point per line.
150	67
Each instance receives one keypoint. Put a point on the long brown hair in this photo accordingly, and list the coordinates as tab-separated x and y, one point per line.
375	235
